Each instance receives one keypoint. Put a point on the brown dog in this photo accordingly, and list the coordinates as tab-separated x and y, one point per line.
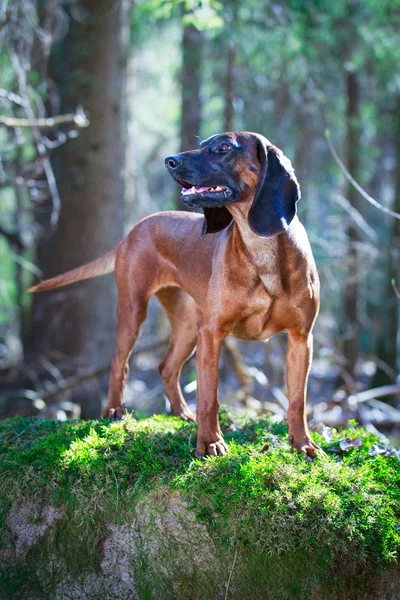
253	277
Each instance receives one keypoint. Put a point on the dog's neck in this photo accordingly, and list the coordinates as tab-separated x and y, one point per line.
263	252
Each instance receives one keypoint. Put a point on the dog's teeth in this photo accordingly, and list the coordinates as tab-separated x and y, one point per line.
201	189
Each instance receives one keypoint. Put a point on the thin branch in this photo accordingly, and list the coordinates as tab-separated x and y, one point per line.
7	18
79	119
396	291
354	183
356	217
12	237
41	147
11	97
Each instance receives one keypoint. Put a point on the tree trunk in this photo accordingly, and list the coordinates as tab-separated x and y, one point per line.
192	43
191	81
388	345
394	267
351	290
78	323
303	151
229	83
229	88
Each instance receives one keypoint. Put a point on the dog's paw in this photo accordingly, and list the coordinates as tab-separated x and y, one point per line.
114	413
217	448
305	445
185	414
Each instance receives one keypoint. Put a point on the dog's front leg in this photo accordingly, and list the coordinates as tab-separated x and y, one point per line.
209	440
298	363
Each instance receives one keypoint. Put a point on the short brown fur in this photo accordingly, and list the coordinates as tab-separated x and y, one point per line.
228	283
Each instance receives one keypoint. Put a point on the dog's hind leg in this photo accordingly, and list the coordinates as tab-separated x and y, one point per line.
134	283
130	316
183	314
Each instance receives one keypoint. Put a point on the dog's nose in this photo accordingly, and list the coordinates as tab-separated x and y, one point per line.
171	162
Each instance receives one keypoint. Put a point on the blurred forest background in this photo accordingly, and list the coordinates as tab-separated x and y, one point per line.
95	93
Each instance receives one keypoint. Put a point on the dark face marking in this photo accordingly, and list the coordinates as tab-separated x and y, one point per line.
208	175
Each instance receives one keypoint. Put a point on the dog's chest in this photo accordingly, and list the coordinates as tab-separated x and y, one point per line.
272	283
268	273
264	256
257	328
257	323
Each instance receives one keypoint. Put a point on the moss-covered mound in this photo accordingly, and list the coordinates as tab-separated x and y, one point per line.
123	510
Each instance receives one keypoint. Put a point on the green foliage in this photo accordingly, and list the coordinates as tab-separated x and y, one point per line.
260	499
204	15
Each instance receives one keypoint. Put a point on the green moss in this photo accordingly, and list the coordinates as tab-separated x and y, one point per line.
327	525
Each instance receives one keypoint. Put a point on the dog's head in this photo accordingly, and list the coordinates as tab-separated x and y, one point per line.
229	167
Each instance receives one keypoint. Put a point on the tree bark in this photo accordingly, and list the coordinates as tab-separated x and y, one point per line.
351	289
388	345
229	88
303	151
229	83
192	42
191	81
78	322
394	265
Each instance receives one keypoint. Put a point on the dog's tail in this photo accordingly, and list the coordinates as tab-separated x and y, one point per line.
95	268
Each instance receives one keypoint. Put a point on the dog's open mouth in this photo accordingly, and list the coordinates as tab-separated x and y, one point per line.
198	191
200	196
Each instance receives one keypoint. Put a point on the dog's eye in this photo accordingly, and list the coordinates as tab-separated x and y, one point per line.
225	147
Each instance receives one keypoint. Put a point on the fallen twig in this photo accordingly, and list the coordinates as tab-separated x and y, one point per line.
76	380
280	396
385	390
354	183
230	575
390	411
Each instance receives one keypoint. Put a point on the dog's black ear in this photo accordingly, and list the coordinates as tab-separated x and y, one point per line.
215	219
274	204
